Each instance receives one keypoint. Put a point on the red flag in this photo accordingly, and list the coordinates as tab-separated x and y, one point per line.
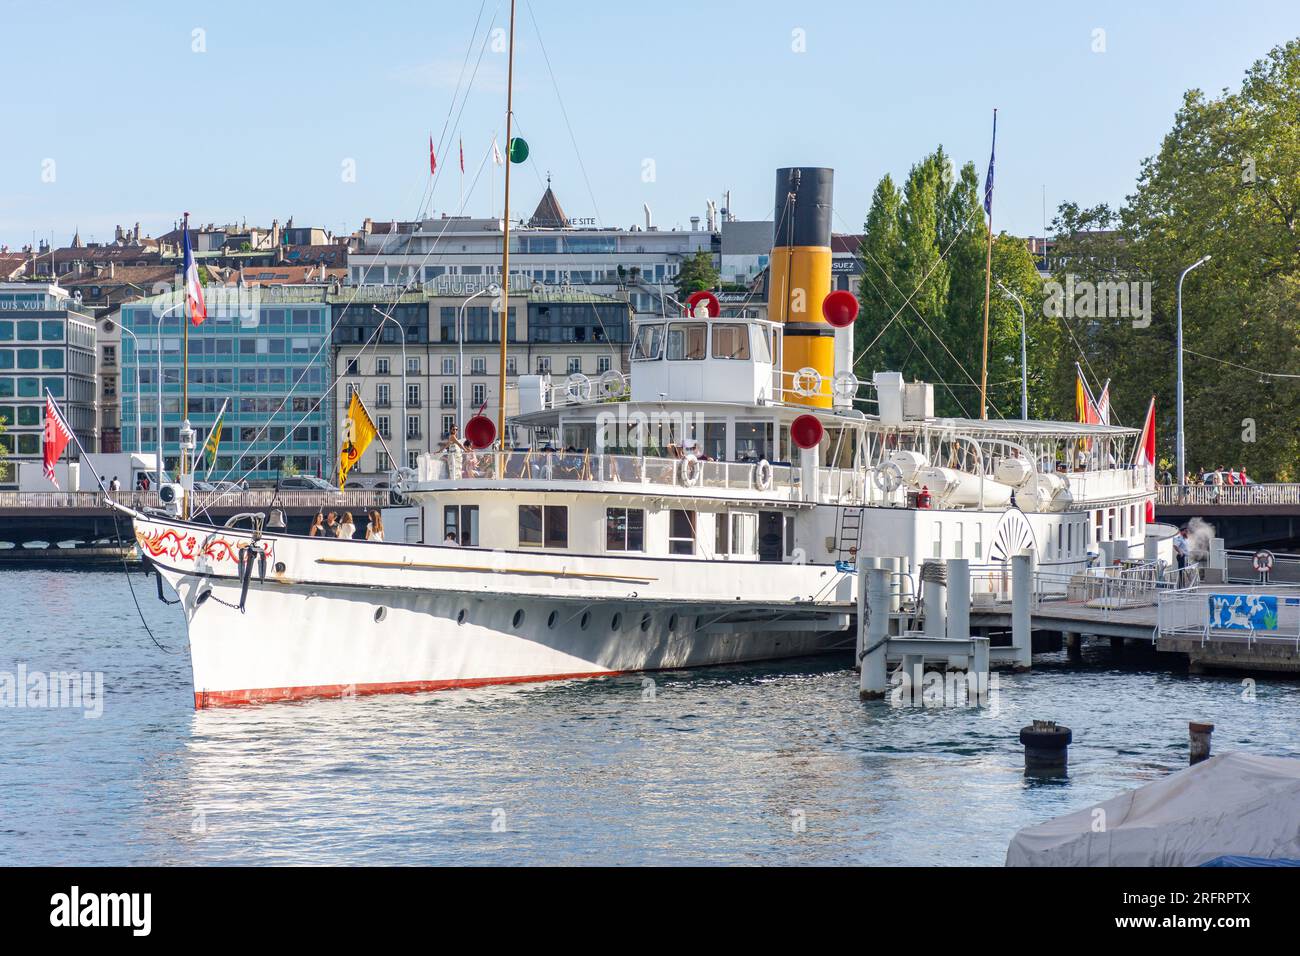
462	156
1144	456
57	436
433	160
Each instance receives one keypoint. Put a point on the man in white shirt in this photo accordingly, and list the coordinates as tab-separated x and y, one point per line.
1181	549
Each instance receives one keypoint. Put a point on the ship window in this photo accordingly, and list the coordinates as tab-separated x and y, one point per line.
681	532
721	534
761	351
938	539
686	341
649	343
731	341
754	441
461	521
543	526
616	622
624	529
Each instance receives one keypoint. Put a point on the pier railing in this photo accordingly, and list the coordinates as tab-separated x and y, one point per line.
1231	613
1269	494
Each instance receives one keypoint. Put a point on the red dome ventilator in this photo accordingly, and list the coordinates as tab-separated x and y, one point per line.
712	306
806	431
840	308
480	432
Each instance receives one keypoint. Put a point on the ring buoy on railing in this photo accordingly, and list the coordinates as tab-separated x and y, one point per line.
806	382
888	477
763	475
844	386
691	470
578	387
1263	562
611	383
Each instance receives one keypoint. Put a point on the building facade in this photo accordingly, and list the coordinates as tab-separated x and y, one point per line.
263	352
46	344
436	360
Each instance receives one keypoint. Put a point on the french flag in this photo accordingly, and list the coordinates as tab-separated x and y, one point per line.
193	288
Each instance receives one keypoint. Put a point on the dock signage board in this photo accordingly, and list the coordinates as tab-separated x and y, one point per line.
1243	612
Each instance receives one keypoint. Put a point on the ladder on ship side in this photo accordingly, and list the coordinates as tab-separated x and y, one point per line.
850	536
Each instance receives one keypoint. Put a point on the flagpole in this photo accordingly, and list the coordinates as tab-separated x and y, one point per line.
185	384
505	238
988	279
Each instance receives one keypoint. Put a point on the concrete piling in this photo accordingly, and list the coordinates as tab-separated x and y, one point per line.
1021	629
874	677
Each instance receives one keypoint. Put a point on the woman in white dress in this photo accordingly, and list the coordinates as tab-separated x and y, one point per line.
346	528
375	530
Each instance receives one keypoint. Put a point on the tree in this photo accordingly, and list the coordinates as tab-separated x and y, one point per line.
1225	182
922	291
696	273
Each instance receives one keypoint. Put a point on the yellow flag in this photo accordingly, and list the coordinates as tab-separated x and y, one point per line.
358	432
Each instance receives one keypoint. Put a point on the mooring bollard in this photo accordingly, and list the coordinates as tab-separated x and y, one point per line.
1046	746
874	678
1022	633
1199	734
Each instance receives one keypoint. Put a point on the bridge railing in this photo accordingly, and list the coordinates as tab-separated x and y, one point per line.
259	498
1270	494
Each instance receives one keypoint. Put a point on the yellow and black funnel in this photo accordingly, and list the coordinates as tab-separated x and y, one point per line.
799	280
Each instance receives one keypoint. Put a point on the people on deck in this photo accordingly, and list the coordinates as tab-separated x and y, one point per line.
346	528
331	525
317	526
450	540
375	530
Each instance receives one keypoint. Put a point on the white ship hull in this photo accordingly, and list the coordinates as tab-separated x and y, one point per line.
389	618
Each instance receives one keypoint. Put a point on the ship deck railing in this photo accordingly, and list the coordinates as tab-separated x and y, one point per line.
833	484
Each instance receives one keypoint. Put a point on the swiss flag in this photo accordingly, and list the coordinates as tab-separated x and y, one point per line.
433	160
57	436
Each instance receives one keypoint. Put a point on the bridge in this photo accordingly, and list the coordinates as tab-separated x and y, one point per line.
82	516
1245	516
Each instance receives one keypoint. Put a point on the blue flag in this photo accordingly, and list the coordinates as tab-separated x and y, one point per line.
988	180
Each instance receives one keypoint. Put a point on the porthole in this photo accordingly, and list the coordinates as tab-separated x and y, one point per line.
460	618
279	567
615	622
518	618
552	619
380	614
672	623
585	620
645	621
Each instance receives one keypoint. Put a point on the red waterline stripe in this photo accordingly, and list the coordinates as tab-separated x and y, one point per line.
270	695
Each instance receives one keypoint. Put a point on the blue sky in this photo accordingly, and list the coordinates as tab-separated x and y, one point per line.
261	123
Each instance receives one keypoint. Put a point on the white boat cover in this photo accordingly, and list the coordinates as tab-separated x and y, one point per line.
1234	803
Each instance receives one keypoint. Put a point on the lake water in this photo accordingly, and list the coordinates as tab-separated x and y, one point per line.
773	764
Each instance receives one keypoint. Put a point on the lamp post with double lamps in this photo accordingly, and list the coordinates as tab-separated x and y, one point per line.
460	353
1024	360
139	441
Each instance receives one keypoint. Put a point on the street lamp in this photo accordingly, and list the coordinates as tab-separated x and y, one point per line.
401	338
136	346
460	353
1182	464
1024	361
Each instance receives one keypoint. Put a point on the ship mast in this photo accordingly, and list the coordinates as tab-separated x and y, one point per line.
505	238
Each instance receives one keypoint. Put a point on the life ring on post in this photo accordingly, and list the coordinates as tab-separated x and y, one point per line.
611	384
888	477
1262	562
806	382
691	470
763	475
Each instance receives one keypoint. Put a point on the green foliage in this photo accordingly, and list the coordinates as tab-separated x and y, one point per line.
922	292
696	273
1225	182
